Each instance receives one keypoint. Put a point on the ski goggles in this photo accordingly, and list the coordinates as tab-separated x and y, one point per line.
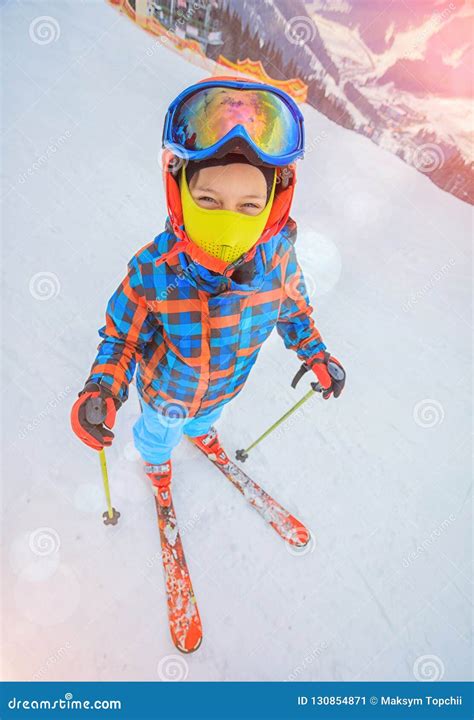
219	116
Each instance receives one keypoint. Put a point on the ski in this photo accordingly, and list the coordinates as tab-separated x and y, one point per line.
183	614
286	525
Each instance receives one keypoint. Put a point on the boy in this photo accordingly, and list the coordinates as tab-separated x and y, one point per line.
199	301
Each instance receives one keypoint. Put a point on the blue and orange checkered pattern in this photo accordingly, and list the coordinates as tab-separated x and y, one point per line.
196	334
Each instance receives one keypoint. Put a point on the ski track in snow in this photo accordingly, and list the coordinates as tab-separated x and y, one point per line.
380	476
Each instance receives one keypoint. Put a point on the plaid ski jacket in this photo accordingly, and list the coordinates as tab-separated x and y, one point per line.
196	334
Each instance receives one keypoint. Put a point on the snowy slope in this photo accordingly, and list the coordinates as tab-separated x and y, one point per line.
381	476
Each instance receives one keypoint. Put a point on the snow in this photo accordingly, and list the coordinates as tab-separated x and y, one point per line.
380	476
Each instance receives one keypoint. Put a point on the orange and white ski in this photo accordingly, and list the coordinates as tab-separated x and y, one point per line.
183	614
286	525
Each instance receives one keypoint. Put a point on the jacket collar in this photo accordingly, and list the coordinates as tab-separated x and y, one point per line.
277	220
174	253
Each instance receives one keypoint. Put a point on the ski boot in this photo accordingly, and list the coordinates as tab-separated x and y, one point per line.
211	446
160	476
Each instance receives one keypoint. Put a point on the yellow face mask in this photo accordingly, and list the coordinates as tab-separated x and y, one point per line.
224	234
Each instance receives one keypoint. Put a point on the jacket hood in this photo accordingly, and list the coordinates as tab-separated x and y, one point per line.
278	218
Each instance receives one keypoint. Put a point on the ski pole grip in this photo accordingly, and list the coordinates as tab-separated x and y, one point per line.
95	410
302	371
336	371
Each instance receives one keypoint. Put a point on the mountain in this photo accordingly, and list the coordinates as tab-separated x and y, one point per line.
397	74
445	69
378	23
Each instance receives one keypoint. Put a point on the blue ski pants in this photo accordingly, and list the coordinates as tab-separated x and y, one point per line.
155	435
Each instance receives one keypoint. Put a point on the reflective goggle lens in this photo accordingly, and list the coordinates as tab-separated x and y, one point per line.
209	114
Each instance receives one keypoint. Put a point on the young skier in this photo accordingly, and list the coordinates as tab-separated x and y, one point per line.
200	300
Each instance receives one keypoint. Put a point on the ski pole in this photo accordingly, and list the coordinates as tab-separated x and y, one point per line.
95	414
242	455
111	515
335	372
